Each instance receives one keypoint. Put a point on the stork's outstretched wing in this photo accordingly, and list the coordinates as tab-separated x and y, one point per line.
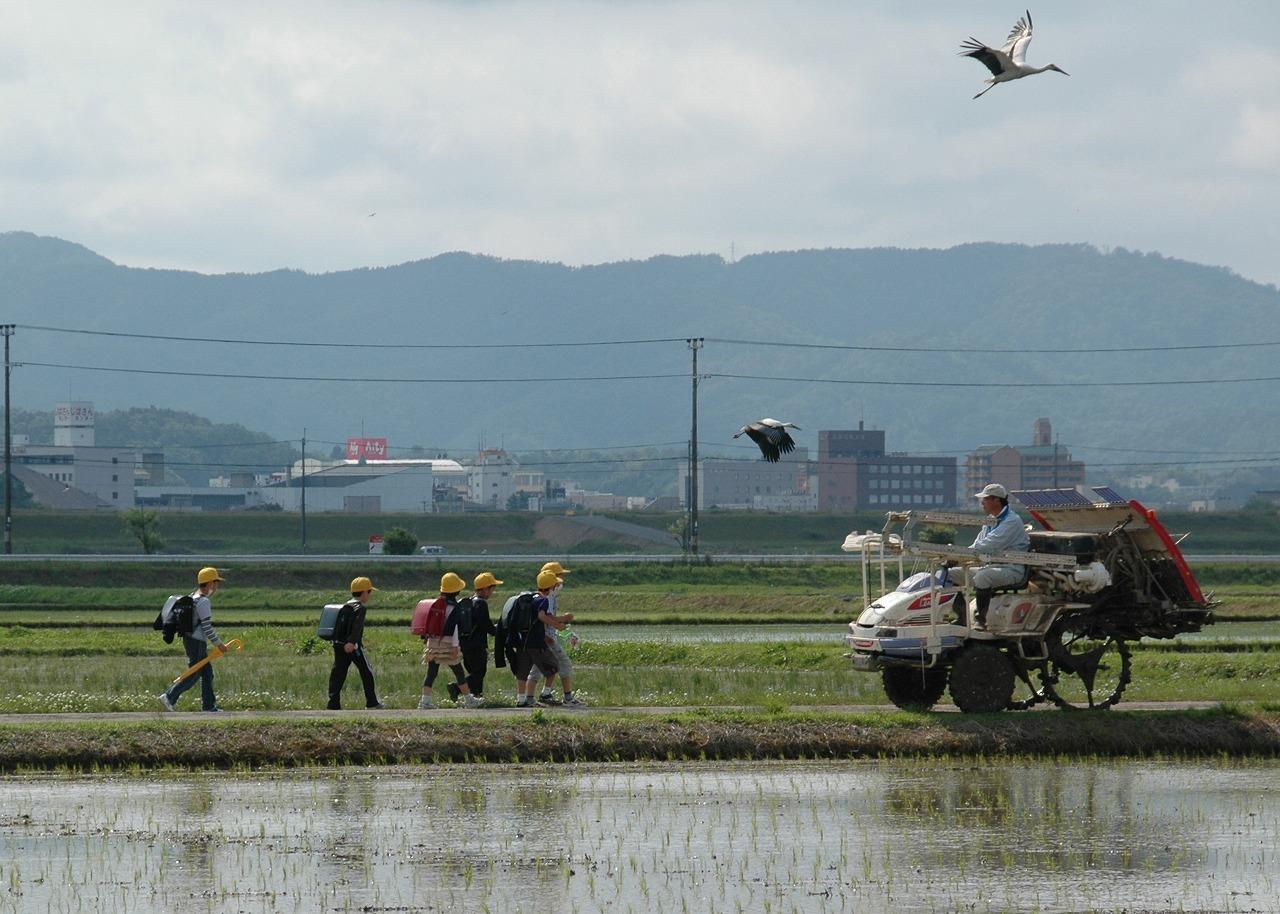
773	442
1015	46
996	61
771	437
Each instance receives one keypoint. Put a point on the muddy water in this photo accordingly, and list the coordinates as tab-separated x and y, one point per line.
707	838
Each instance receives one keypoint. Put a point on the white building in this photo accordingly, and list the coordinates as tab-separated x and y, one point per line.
736	483
370	487
105	473
491	480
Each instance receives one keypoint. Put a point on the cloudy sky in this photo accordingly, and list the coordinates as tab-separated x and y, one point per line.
250	136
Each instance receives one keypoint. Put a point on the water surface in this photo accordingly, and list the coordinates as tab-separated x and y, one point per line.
867	836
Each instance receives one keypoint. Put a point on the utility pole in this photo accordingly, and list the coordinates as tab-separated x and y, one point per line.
695	343
304	490
1055	461
7	331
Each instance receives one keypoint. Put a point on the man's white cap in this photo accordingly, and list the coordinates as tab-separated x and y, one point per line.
995	490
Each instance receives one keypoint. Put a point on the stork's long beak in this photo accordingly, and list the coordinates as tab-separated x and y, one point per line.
1062	71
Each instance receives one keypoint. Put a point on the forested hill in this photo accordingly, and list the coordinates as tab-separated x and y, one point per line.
1003	300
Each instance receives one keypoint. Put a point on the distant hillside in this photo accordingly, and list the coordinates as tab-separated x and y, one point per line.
1002	299
195	448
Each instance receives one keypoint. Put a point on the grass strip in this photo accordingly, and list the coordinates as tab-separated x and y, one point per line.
615	737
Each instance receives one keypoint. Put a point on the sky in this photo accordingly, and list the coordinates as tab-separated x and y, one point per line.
245	137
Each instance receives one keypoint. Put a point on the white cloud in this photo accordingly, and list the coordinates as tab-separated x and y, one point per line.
245	136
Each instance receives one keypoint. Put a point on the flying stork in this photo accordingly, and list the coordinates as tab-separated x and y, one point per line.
771	437
1010	61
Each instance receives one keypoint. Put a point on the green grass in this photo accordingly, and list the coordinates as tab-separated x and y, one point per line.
286	668
246	533
749	597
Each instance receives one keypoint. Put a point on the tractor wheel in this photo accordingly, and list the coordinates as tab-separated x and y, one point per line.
1086	670
982	679
912	689
1025	694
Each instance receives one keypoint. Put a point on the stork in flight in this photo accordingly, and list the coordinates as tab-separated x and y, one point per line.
771	437
1010	62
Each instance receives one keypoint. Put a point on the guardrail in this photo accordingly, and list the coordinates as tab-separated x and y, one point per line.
529	558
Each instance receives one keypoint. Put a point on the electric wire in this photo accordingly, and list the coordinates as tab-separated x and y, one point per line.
728	341
557	344
527	379
880	382
535	379
779	344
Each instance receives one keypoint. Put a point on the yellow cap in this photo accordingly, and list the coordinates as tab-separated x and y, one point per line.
547	580
486	579
208	575
360	585
555	568
451	583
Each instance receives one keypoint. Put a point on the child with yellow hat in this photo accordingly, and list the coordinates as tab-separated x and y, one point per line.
474	628
348	646
442	643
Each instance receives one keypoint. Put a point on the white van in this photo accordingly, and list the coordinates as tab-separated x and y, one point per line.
431	550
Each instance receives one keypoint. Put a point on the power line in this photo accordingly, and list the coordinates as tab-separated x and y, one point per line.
1134	450
348	380
324	345
879	382
728	341
960	349
876	382
518	450
621	461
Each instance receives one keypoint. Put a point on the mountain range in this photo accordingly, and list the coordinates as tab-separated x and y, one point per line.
993	313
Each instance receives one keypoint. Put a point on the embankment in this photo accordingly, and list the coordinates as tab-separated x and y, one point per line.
619	737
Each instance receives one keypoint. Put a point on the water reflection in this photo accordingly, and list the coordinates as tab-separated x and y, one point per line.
858	837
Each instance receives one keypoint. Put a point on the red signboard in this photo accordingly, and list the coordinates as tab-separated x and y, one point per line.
366	448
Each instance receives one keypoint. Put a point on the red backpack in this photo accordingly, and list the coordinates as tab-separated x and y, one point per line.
428	618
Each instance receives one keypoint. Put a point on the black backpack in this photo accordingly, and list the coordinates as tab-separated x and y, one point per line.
466	619
177	616
520	619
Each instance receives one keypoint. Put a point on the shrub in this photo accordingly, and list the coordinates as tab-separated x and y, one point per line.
399	541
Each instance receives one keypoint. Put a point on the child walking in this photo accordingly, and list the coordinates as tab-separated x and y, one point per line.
474	628
348	646
442	646
197	644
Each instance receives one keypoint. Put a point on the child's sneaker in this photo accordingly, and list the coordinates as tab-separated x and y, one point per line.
425	703
548	699
472	701
573	701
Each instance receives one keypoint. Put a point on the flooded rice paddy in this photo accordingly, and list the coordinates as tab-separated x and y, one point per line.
866	836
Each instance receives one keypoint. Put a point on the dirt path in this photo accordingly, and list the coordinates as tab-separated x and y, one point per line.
442	714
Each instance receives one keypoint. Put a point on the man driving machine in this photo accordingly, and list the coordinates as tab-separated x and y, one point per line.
1004	532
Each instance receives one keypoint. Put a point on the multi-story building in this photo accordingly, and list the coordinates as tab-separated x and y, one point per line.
1043	464
106	474
856	474
491	480
736	483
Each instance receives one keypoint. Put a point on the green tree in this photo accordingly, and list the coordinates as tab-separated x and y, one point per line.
145	527
399	541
